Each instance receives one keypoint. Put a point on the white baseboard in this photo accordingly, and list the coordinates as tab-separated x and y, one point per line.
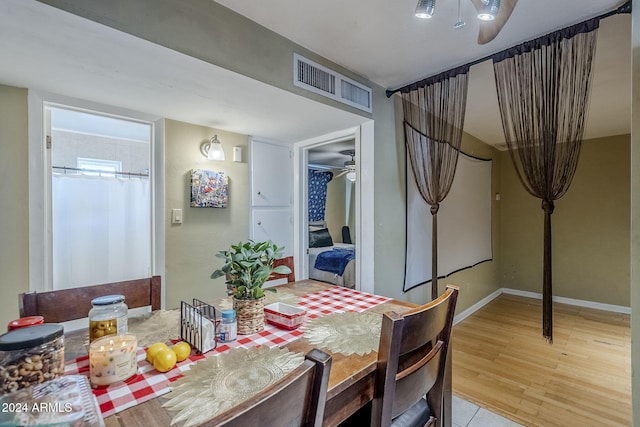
572	301
477	306
563	300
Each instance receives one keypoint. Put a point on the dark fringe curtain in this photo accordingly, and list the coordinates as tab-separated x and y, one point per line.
543	93
433	119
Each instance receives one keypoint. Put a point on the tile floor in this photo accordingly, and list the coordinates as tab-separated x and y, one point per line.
467	414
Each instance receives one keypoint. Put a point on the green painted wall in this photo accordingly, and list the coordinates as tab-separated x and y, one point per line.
590	228
209	31
192	245
14	201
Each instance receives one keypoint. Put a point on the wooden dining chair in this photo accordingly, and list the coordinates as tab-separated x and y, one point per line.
298	399
71	304
288	261
412	358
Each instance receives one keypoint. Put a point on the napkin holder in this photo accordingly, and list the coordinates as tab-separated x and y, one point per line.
198	325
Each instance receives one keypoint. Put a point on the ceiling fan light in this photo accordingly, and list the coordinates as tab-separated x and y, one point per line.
425	8
351	176
489	10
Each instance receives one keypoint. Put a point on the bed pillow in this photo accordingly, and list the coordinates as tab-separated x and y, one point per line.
320	238
317	225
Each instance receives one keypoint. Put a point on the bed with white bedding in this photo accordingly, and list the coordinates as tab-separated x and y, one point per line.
330	275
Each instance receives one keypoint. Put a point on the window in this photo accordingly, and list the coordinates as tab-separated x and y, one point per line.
98	167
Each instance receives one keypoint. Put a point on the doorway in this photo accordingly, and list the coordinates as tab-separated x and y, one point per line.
88	166
331	181
361	199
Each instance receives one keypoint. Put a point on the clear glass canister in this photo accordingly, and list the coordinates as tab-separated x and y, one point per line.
30	356
228	326
108	316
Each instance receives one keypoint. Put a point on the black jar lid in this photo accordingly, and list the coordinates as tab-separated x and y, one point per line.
31	336
108	300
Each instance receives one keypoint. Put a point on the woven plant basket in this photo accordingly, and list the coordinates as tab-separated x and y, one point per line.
250	315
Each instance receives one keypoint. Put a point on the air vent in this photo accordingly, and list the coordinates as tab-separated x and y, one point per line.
316	78
324	81
355	94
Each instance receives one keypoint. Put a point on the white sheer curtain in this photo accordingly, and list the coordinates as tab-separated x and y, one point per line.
101	229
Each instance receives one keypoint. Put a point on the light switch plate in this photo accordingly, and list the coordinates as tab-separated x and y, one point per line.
176	216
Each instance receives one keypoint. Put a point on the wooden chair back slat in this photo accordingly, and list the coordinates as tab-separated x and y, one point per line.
298	399
288	261
412	358
71	304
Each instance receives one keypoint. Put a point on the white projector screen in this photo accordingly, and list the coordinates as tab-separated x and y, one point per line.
464	223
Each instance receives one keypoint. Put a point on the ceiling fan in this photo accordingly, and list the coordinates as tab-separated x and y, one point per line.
493	15
349	168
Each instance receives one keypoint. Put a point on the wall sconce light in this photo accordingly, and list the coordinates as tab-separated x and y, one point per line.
212	149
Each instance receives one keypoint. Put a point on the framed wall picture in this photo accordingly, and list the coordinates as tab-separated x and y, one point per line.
209	189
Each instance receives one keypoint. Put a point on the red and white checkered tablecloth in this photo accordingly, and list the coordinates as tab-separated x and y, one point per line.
149	383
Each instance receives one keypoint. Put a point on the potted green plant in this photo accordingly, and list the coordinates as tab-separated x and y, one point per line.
247	266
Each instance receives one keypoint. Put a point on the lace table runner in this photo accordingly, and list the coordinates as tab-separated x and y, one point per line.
345	333
218	383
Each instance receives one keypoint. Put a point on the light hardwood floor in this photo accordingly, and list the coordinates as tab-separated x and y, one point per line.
501	362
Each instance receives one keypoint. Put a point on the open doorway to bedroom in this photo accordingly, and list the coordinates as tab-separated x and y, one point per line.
331	171
332	205
362	200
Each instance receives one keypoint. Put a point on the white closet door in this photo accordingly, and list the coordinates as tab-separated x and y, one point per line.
272	193
276	225
272	174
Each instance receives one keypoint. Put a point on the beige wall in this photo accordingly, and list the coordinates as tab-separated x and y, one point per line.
336	207
590	228
192	245
14	201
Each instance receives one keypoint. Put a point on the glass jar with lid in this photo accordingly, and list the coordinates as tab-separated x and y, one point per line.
108	316
30	356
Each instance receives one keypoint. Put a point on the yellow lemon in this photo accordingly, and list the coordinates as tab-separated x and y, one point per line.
182	350
164	360
154	349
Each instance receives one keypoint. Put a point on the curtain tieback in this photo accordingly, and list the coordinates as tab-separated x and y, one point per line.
434	208
548	206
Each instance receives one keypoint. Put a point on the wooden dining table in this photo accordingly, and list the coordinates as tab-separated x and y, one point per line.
351	381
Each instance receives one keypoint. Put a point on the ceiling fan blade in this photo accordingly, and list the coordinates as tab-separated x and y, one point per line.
341	173
490	29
